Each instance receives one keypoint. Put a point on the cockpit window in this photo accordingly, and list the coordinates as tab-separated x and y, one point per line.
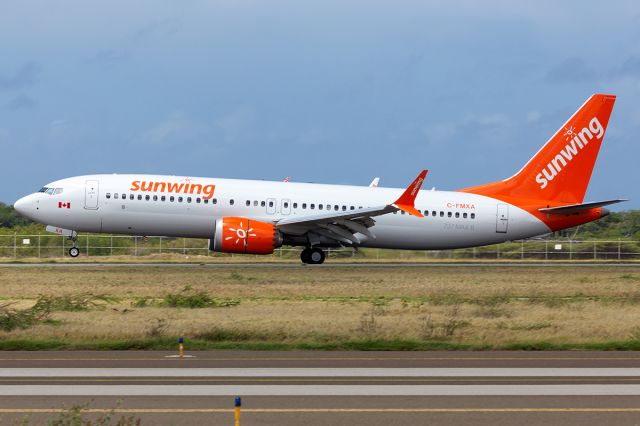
50	191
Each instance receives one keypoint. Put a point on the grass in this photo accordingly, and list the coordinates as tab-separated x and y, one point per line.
321	308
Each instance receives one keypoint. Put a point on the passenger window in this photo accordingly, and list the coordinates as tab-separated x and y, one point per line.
206	201
344	208
248	203
464	215
155	198
262	203
433	213
179	199
336	207
214	201
198	200
172	198
231	201
163	198
441	214
124	196
448	214
457	214
189	200
320	206
352	208
295	205
131	196
108	195
147	197
473	215
304	205
115	196
139	197
286	205
255	203
359	207
270	203
312	206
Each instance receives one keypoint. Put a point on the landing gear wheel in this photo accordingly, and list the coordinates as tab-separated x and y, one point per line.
305	255
316	256
74	251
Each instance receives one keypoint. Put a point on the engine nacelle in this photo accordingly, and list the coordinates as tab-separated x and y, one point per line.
242	235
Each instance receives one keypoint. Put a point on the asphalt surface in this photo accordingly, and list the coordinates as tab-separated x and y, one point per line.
326	388
491	264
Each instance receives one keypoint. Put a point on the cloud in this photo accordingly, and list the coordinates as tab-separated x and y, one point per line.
570	70
490	127
175	129
24	77
162	27
631	67
21	101
236	125
109	57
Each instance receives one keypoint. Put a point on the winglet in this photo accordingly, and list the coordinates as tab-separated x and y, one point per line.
406	200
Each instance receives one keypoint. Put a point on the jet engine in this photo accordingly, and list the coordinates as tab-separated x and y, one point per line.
242	235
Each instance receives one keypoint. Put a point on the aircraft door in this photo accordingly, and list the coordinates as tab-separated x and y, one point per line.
91	192
502	218
285	206
271	205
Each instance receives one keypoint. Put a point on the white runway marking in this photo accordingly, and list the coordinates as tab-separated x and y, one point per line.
319	372
320	390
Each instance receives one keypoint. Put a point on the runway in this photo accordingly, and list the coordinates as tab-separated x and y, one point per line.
321	388
491	264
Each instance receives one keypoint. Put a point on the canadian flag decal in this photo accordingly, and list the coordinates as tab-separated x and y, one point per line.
62	205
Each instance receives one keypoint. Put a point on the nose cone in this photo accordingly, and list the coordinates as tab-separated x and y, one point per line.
25	206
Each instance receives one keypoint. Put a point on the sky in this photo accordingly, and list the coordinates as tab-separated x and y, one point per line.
322	91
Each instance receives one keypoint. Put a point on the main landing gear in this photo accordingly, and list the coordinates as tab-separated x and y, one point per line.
312	256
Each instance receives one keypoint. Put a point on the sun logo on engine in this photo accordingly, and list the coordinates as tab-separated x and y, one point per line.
241	234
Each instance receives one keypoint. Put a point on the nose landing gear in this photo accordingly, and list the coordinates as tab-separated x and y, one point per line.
312	256
74	251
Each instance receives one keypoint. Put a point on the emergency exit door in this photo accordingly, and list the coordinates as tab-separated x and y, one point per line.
502	218
91	195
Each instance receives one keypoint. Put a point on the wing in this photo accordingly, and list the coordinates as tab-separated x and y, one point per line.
342	226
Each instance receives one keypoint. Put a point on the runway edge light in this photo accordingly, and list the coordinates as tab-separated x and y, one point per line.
238	404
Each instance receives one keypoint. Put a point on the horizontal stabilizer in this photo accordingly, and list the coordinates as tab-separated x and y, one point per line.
577	208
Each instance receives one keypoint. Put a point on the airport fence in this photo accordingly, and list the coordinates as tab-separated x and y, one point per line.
43	246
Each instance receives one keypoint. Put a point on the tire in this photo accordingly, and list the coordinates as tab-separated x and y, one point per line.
316	256
74	252
305	255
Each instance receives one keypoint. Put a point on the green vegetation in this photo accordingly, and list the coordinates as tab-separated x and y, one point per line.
85	415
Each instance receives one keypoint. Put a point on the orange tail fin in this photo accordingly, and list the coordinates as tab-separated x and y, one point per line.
560	171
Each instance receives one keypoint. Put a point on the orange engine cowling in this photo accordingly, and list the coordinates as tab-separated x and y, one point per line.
242	235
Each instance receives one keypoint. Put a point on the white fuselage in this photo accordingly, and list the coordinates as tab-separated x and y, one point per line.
452	219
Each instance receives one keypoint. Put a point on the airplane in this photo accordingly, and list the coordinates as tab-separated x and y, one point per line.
256	217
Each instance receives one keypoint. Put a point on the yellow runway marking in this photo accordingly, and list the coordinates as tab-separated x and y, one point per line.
334	359
314	380
328	410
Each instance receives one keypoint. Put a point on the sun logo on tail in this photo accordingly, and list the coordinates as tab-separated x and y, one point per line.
569	133
241	234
